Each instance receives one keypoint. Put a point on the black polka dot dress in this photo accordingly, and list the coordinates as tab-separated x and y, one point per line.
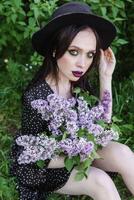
34	183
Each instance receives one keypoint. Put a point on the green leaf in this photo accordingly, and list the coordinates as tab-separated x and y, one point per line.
40	163
76	160
118	19
95	155
115	119
122	41
103	10
26	33
101	123
32	22
120	4
77	90
90	137
22	23
115	128
79	176
128	127
13	18
91	100
36	12
69	163
64	135
95	1
86	164
115	11
36	1
81	132
17	3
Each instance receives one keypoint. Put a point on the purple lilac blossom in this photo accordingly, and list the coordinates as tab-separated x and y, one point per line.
42	108
106	137
72	101
105	102
72	128
96	112
77	146
54	129
58	111
58	102
61	112
39	103
83	112
64	113
95	129
71	114
36	148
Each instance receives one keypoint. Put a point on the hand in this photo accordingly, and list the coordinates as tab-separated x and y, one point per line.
57	162
107	63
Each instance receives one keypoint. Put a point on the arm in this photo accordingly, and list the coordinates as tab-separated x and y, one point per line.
106	68
30	175
32	123
57	162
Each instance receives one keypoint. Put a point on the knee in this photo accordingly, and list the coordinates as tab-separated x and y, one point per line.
102	183
124	151
102	180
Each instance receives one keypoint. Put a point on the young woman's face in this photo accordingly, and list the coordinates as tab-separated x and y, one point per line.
79	56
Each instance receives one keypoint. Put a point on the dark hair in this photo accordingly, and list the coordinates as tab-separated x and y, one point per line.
59	44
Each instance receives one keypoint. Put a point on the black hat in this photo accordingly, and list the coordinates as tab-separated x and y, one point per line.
73	13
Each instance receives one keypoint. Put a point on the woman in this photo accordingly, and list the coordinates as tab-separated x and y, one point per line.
74	41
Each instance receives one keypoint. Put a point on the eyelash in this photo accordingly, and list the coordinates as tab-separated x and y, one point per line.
71	51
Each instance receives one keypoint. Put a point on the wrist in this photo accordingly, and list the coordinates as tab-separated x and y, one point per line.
105	84
105	79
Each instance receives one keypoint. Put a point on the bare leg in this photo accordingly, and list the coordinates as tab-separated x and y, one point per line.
119	158
98	185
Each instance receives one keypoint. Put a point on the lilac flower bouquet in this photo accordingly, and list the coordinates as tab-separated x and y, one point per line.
77	131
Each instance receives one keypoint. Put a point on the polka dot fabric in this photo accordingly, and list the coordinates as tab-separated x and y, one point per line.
34	183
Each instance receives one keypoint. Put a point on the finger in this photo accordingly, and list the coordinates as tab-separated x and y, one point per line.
107	54
102	58
102	53
111	52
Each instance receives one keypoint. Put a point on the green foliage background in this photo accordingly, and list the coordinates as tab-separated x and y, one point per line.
19	19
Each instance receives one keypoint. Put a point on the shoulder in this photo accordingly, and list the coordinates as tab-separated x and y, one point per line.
40	90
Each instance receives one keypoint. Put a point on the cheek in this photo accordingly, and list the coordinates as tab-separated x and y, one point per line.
62	61
89	63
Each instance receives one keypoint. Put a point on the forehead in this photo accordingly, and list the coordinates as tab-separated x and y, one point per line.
85	40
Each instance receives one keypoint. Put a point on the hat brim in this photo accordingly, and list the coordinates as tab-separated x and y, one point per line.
105	29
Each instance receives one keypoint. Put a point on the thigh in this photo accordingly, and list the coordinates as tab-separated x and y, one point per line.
113	157
87	186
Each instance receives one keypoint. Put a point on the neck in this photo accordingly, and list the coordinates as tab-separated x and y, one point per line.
63	88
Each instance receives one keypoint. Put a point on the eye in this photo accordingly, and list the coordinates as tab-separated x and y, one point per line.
91	54
73	52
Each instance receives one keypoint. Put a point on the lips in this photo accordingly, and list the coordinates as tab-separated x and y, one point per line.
77	73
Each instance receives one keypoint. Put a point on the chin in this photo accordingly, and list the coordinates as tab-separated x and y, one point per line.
74	79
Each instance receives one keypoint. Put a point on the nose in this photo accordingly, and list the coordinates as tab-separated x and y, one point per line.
81	62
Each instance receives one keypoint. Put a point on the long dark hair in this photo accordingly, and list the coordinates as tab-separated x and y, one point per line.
59	44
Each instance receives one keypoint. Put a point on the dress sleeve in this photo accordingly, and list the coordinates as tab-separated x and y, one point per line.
32	122
29	174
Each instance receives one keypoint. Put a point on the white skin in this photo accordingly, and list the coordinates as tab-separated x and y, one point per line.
117	157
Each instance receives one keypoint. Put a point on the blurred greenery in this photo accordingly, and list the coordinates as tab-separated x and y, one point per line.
18	63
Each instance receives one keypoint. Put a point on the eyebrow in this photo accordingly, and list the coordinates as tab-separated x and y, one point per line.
81	49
